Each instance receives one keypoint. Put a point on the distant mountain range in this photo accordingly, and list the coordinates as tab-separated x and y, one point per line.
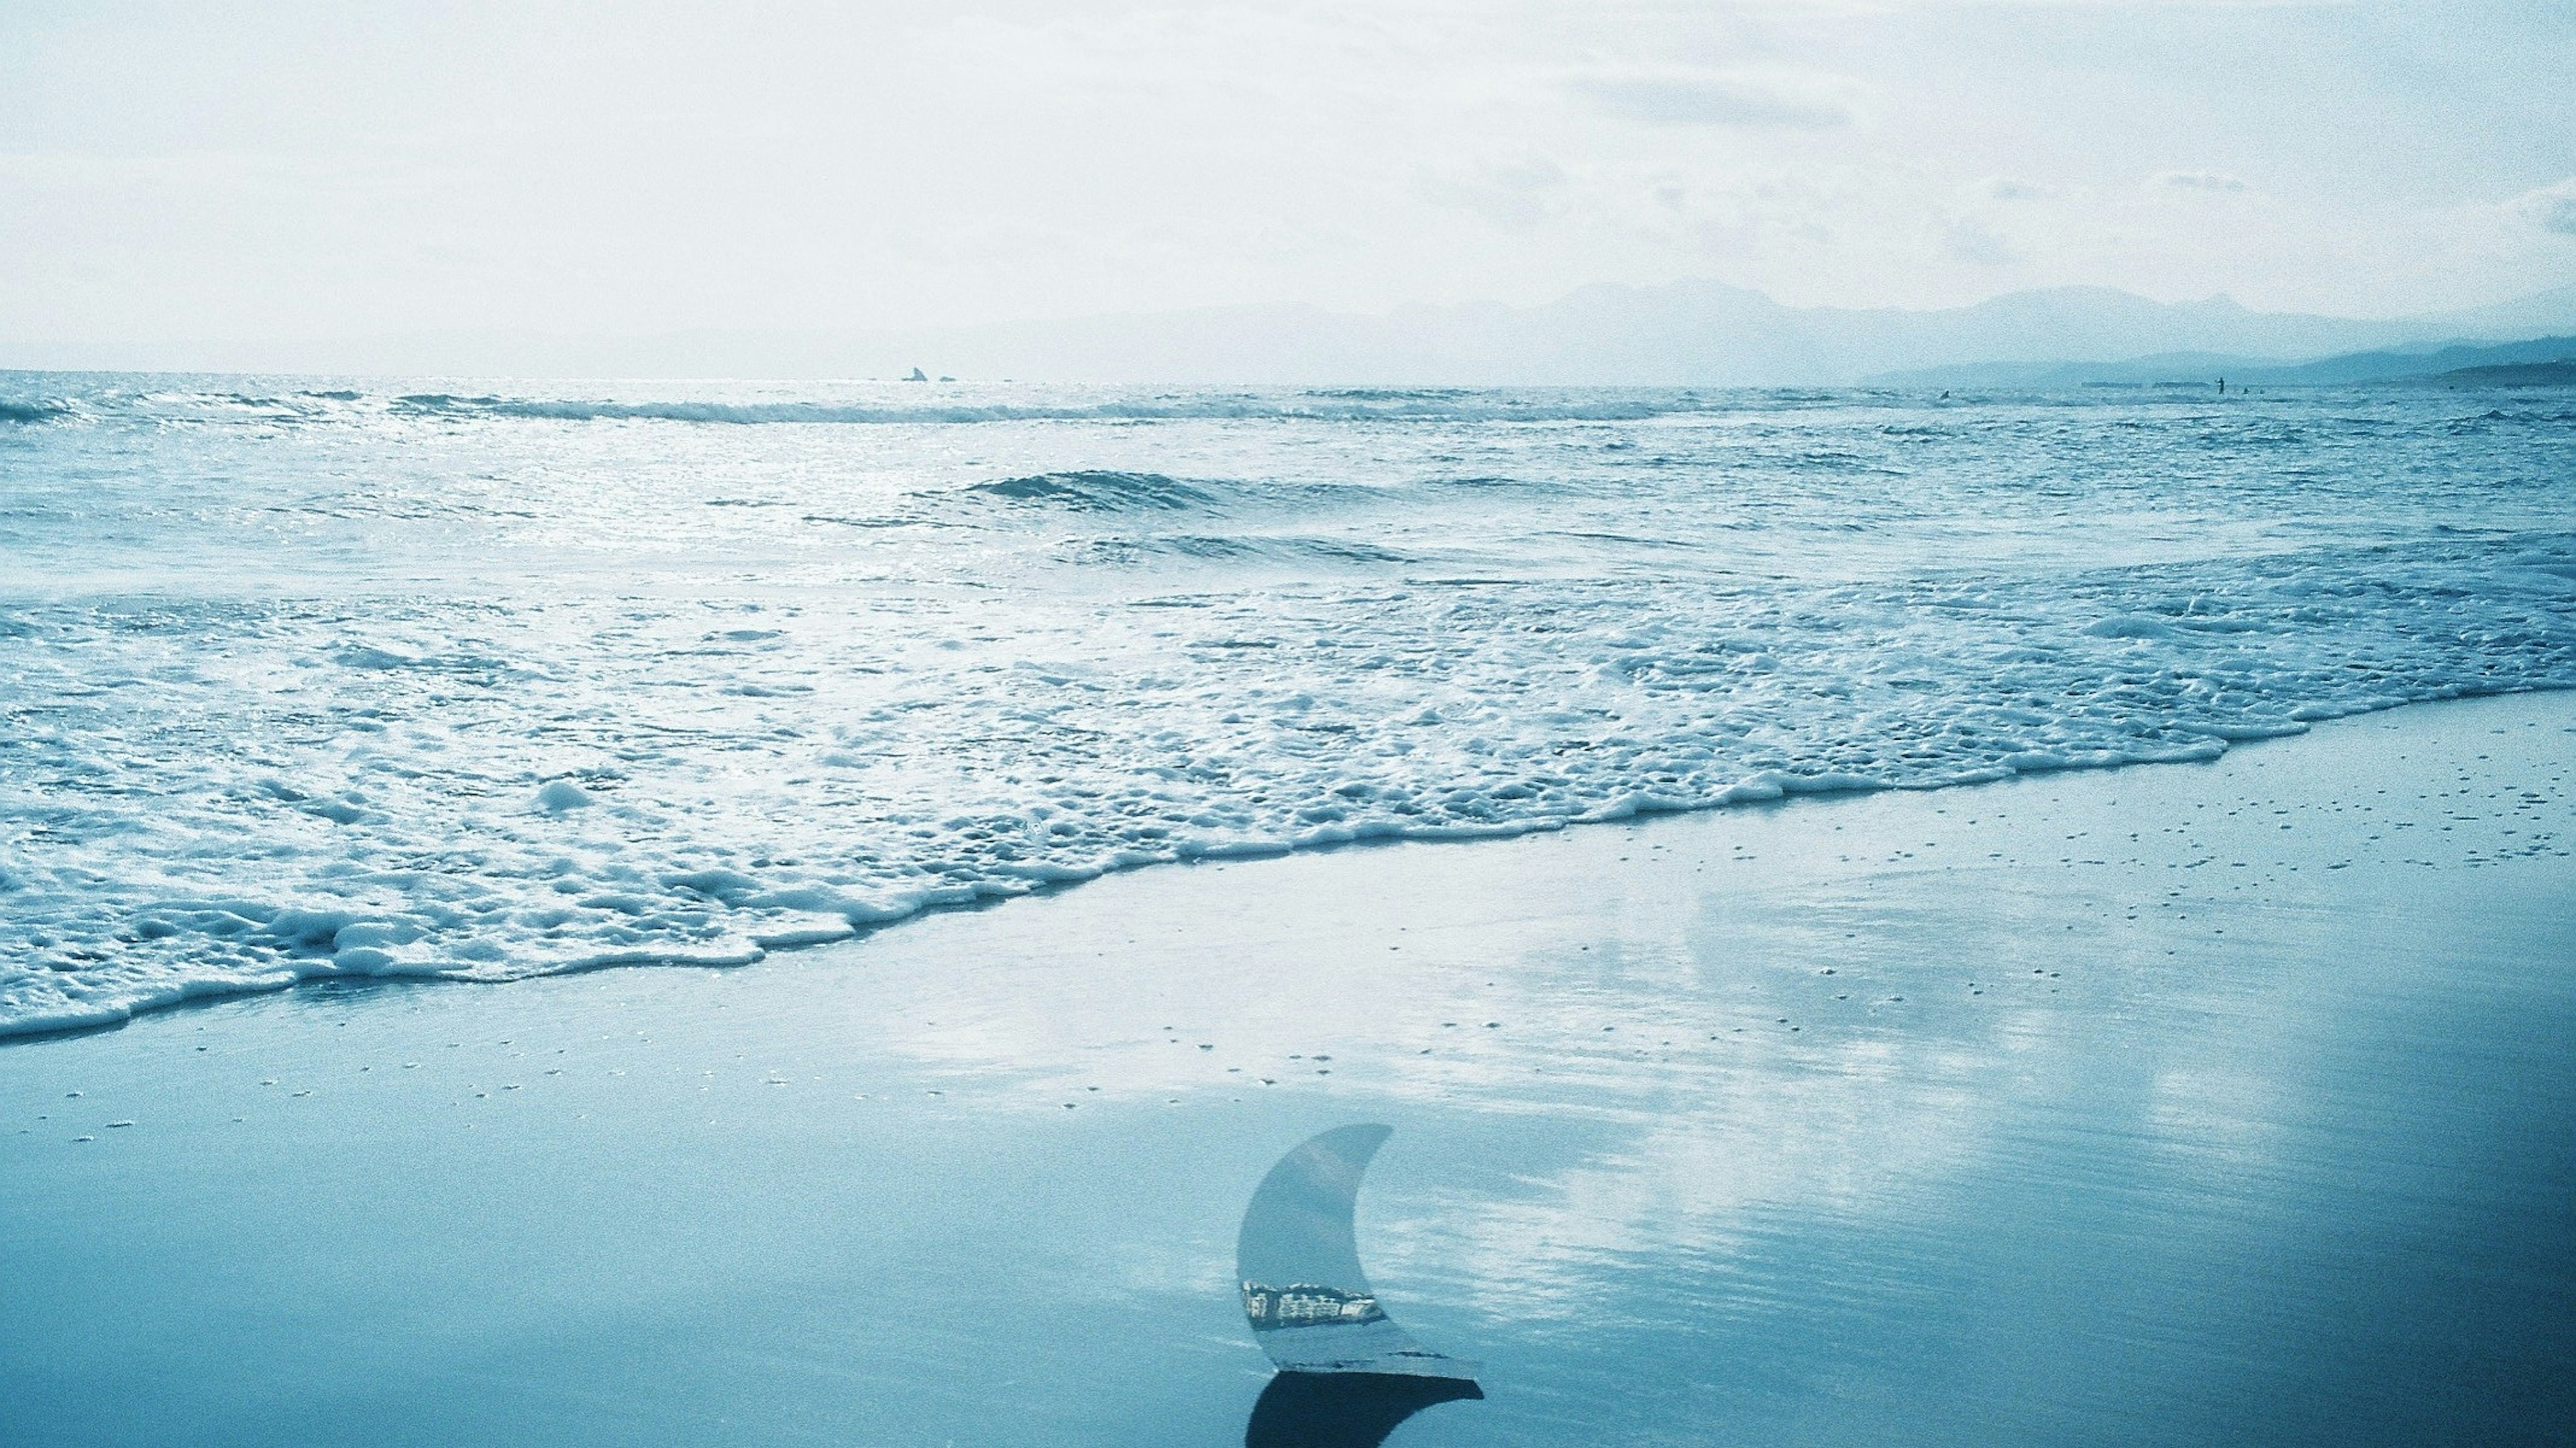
2561	373
1688	333
2540	361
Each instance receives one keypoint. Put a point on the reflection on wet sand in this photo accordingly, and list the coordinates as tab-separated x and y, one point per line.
2194	1107
1347	1374
1298	1261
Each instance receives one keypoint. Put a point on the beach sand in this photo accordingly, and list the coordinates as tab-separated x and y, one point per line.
2214	1103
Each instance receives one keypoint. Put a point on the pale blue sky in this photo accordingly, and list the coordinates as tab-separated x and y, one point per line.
189	171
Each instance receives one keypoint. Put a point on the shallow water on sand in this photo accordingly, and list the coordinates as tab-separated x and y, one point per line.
2197	1105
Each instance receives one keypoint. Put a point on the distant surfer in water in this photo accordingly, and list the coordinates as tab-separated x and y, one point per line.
2222	387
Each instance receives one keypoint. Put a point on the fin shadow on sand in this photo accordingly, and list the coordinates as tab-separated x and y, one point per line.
1347	1374
1344	1410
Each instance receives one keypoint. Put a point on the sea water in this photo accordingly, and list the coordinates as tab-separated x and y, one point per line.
491	680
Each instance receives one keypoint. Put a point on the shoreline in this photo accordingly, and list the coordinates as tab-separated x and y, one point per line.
1756	794
2200	1106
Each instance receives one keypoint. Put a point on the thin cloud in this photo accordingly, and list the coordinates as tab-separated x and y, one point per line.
2013	188
2551	208
1969	240
1514	195
2210	181
1714	100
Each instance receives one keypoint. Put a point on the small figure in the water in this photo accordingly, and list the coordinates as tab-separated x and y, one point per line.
2222	387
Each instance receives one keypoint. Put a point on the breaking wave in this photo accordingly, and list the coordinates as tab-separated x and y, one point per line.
891	406
439	694
1318	407
1099	491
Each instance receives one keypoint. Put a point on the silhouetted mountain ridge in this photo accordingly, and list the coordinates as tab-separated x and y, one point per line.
1692	332
2203	368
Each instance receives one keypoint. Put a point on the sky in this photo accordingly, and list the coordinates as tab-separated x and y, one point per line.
185	172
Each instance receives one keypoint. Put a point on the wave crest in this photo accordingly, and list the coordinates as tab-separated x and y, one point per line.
1428	405
1099	491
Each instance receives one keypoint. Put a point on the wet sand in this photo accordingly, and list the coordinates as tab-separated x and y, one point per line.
2183	1104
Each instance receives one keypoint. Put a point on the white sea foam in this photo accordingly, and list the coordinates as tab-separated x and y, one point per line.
309	680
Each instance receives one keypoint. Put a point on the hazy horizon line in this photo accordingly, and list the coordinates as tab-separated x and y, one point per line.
1333	347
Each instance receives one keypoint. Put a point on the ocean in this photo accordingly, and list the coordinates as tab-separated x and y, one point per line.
491	680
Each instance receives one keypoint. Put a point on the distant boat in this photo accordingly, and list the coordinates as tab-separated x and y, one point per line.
917	376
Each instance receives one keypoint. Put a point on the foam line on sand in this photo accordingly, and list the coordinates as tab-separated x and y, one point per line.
2195	1103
